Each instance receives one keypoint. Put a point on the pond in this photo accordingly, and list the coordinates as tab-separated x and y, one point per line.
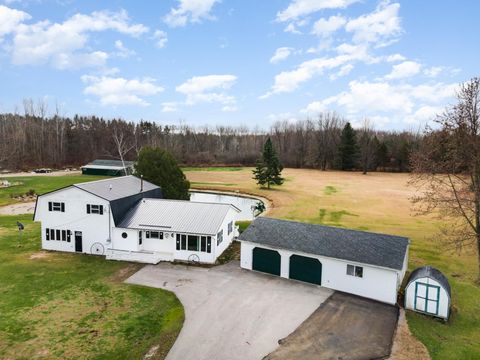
242	202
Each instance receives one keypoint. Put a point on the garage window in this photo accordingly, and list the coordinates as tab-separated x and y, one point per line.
354	270
192	243
219	237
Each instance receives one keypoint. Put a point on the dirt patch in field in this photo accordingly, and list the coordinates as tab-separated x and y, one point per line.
405	346
17	209
39	255
124	273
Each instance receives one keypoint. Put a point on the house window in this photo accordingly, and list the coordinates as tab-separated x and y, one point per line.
124	235
230	227
94	209
56	206
354	270
47	234
192	243
52	234
219	237
58	237
184	242
140	238
64	235
154	235
69	233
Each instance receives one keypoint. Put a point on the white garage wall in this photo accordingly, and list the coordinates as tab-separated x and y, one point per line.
377	283
94	227
444	300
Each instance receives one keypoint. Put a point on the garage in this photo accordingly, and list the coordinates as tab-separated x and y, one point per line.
305	269
267	261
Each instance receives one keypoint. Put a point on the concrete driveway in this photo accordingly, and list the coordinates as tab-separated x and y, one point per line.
232	313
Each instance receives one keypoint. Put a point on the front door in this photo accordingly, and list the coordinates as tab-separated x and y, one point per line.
426	298
78	241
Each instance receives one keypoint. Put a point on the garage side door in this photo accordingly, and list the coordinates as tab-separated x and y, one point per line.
267	261
306	269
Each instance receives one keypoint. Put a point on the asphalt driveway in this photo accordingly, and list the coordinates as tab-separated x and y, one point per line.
343	327
232	313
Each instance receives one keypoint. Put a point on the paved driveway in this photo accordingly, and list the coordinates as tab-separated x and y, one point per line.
343	327
232	313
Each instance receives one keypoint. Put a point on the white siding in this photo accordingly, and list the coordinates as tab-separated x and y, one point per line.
444	299
377	283
94	227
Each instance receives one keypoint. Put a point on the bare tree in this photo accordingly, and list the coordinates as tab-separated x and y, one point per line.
447	170
367	146
122	145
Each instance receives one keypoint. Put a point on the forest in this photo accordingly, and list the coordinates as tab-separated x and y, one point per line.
33	139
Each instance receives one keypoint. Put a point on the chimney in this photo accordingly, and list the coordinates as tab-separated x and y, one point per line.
141	183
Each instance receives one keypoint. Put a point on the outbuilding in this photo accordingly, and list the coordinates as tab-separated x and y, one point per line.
362	263
108	167
428	292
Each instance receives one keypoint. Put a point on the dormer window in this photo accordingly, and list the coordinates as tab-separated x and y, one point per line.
94	209
56	206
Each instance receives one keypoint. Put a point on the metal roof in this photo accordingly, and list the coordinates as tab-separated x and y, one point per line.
108	167
116	188
431	272
351	245
107	163
177	216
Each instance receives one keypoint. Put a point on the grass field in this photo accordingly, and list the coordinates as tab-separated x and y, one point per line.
40	184
377	202
64	306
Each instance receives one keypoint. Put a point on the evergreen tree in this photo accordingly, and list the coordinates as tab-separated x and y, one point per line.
160	168
382	155
348	148
268	169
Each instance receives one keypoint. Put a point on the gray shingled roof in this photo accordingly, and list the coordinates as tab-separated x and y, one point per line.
431	272
177	216
116	188
352	245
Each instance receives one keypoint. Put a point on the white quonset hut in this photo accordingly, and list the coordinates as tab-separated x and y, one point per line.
165	230
428	292
357	262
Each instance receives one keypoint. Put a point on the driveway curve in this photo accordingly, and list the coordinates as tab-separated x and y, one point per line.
231	313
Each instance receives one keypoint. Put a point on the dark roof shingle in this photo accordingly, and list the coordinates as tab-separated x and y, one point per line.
352	245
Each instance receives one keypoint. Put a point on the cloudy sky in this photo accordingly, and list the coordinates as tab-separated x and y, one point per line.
235	62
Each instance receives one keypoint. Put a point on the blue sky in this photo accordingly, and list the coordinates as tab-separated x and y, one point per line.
239	62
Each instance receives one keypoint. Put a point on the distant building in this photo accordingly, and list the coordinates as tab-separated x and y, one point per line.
108	167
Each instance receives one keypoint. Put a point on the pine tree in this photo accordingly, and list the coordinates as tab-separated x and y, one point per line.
160	168
268	169
348	148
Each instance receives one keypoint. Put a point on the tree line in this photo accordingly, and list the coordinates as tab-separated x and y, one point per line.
32	139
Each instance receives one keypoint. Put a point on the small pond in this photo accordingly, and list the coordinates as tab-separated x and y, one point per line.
242	202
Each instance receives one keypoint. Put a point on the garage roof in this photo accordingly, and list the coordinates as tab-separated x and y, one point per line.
107	163
358	246
177	216
116	188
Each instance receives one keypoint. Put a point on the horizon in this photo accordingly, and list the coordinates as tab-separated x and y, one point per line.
396	63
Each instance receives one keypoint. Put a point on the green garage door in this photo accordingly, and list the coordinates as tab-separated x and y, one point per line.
266	260
305	269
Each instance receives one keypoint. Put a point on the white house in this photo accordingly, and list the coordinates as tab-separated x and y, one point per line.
357	262
428	292
124	218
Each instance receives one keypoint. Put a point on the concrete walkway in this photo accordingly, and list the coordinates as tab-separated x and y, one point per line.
232	313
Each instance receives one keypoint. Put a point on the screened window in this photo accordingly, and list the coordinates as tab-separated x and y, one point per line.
193	243
219	237
56	206
94	209
154	234
230	227
356	271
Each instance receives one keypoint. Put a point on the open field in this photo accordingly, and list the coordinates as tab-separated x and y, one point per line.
60	306
377	202
41	183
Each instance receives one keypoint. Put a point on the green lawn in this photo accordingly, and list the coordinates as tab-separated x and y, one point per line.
40	184
58	305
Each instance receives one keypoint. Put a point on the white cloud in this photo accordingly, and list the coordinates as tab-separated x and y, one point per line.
10	19
170	106
291	28
344	70
160	38
424	114
208	89
404	70
119	91
189	11
325	27
433	71
405	102
281	54
395	58
299	8
62	43
381	27
123	52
